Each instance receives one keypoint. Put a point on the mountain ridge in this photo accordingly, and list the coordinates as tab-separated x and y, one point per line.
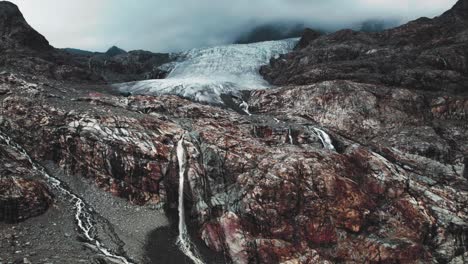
16	33
428	54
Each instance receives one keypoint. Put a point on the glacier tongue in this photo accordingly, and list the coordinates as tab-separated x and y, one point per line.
204	74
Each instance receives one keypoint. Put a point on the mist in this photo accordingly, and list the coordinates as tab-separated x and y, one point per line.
170	26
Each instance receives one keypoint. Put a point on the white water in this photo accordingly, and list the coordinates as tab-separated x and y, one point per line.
82	215
185	245
204	74
291	141
245	107
325	138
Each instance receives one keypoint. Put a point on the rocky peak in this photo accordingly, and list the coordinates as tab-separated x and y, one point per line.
16	33
460	9
307	37
114	51
461	5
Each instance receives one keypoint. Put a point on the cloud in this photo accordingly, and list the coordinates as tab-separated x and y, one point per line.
163	25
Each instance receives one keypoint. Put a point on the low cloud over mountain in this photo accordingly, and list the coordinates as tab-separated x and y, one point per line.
165	26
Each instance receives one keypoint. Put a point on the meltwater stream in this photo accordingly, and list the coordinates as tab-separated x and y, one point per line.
82	211
325	138
204	74
185	245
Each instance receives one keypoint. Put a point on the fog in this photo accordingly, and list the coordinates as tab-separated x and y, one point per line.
174	25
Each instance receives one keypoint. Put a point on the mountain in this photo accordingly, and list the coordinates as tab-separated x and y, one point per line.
459	11
377	25
114	51
428	54
19	41
273	31
16	33
79	52
285	30
358	154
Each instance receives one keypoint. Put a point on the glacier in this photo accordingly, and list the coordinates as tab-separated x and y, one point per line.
204	74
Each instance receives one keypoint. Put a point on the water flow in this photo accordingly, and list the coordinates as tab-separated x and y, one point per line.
204	74
291	141
245	107
185	245
82	212
325	138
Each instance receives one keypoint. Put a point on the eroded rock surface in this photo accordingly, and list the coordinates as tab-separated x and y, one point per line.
22	194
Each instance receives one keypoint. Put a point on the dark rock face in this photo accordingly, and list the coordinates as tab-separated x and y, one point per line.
376	25
79	52
15	32
131	66
423	54
114	51
460	9
272	31
119	66
308	35
21	199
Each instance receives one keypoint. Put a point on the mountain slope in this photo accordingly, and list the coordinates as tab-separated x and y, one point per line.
15	32
429	54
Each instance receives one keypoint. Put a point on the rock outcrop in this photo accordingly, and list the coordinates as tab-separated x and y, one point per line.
114	51
16	33
22	194
264	191
117	65
428	54
21	199
127	66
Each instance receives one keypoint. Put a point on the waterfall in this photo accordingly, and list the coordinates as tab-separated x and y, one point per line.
291	141
82	211
185	245
325	138
204	74
245	107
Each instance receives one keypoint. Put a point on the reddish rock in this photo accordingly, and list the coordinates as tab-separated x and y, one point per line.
21	199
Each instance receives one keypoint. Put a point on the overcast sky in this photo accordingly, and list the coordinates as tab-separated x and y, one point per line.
173	25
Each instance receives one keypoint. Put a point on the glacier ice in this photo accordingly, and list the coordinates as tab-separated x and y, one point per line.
204	74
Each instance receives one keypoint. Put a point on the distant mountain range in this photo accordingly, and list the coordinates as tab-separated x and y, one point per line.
284	30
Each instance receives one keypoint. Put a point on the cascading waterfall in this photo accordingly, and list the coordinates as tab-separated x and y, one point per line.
325	138
204	74
185	245
291	141
245	107
82	211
